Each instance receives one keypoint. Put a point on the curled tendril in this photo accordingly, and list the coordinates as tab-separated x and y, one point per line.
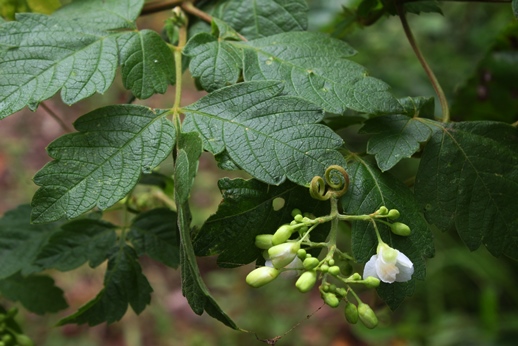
317	189
338	184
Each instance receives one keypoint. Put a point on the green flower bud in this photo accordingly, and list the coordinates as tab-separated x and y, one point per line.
325	288
310	263
332	288
351	313
331	299
331	262
281	255
306	281
393	214
367	316
400	228
324	268
298	218
371	282
334	270
303	229
383	210
261	276
301	254
341	292
282	234
264	241
296	212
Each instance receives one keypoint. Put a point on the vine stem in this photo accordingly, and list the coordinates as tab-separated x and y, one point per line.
435	83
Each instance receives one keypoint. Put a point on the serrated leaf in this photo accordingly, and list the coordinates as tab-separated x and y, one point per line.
21	241
370	189
147	63
255	19
155	233
101	163
468	180
216	63
269	135
102	14
421	106
193	287
37	293
247	210
313	66
75	50
124	284
189	149
77	242
395	137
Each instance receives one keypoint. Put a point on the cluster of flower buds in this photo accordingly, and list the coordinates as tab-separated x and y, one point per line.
10	332
290	249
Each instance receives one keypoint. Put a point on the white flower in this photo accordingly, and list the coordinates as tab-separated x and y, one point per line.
389	265
283	254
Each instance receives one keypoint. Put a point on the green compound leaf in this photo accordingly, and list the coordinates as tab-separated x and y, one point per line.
124	284
37	293
370	189
248	210
155	233
395	137
101	163
21	241
216	63
147	63
256	19
313	66
102	14
468	181
76	49
269	135
77	242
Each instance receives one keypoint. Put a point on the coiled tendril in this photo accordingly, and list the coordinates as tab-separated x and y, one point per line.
336	178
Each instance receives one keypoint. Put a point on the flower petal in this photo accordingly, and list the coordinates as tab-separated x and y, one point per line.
404	261
370	268
405	273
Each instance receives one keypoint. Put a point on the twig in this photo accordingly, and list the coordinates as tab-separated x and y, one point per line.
54	116
159	6
435	83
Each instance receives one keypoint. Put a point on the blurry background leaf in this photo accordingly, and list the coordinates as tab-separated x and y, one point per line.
21	241
101	163
37	293
491	93
468	181
124	284
155	233
77	242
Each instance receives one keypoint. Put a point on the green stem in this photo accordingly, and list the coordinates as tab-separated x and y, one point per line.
182	40
54	116
435	83
380	241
